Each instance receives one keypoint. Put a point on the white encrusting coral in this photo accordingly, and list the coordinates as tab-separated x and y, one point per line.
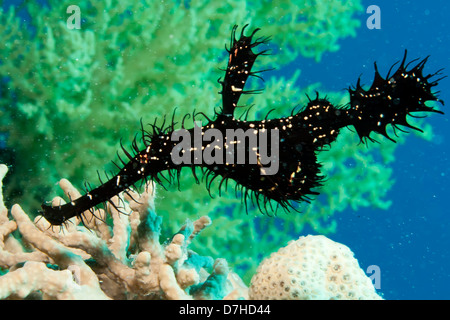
312	268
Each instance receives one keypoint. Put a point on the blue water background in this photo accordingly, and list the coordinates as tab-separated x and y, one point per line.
410	241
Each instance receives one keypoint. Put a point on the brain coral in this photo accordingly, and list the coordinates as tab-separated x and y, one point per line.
312	267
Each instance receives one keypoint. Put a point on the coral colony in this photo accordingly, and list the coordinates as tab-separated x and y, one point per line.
125	260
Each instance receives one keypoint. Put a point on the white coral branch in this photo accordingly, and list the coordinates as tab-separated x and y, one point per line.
35	276
129	260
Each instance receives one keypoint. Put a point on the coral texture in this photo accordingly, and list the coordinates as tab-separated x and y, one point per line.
92	260
124	259
312	268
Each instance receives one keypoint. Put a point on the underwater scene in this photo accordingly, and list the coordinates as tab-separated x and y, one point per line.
224	150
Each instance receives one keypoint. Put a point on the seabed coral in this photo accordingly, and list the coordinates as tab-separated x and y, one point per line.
312	267
120	256
93	261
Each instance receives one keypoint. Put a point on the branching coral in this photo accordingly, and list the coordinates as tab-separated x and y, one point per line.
123	259
95	261
67	89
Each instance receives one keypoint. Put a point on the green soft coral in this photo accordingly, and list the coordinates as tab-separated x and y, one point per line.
69	90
